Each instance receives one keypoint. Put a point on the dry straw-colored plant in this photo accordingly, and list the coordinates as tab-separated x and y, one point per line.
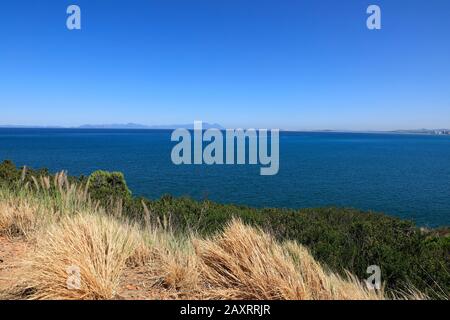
97	246
247	263
18	218
241	262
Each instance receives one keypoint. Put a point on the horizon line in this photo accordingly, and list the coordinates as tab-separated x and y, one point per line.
136	126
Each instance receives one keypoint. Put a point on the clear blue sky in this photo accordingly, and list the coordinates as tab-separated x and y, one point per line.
267	63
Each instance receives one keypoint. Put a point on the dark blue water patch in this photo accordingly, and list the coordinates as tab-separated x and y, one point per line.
402	175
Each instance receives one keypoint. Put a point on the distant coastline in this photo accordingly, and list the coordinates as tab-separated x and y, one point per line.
136	126
118	126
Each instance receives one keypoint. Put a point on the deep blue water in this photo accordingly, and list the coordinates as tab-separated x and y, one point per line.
403	175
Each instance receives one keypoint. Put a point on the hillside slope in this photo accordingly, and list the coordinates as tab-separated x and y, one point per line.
71	248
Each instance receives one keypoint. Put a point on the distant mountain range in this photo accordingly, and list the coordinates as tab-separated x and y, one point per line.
142	126
205	125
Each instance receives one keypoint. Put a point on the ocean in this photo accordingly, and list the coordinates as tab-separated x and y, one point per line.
398	174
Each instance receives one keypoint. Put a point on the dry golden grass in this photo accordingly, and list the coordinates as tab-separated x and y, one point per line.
24	212
245	263
98	246
18	218
169	260
240	262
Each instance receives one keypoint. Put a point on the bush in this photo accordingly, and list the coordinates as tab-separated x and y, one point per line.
106	186
8	172
12	176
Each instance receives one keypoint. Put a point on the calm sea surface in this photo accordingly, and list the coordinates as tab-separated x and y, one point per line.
402	175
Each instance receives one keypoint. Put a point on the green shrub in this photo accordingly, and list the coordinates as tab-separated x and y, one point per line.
8	172
106	186
12	176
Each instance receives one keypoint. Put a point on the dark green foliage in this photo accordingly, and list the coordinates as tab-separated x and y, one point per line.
8	172
106	186
12	176
341	239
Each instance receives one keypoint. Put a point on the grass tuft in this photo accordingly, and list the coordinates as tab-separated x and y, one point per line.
68	234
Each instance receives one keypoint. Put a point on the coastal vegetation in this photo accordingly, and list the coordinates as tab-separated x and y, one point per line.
183	247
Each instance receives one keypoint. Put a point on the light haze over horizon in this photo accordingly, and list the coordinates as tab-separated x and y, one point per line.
291	64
